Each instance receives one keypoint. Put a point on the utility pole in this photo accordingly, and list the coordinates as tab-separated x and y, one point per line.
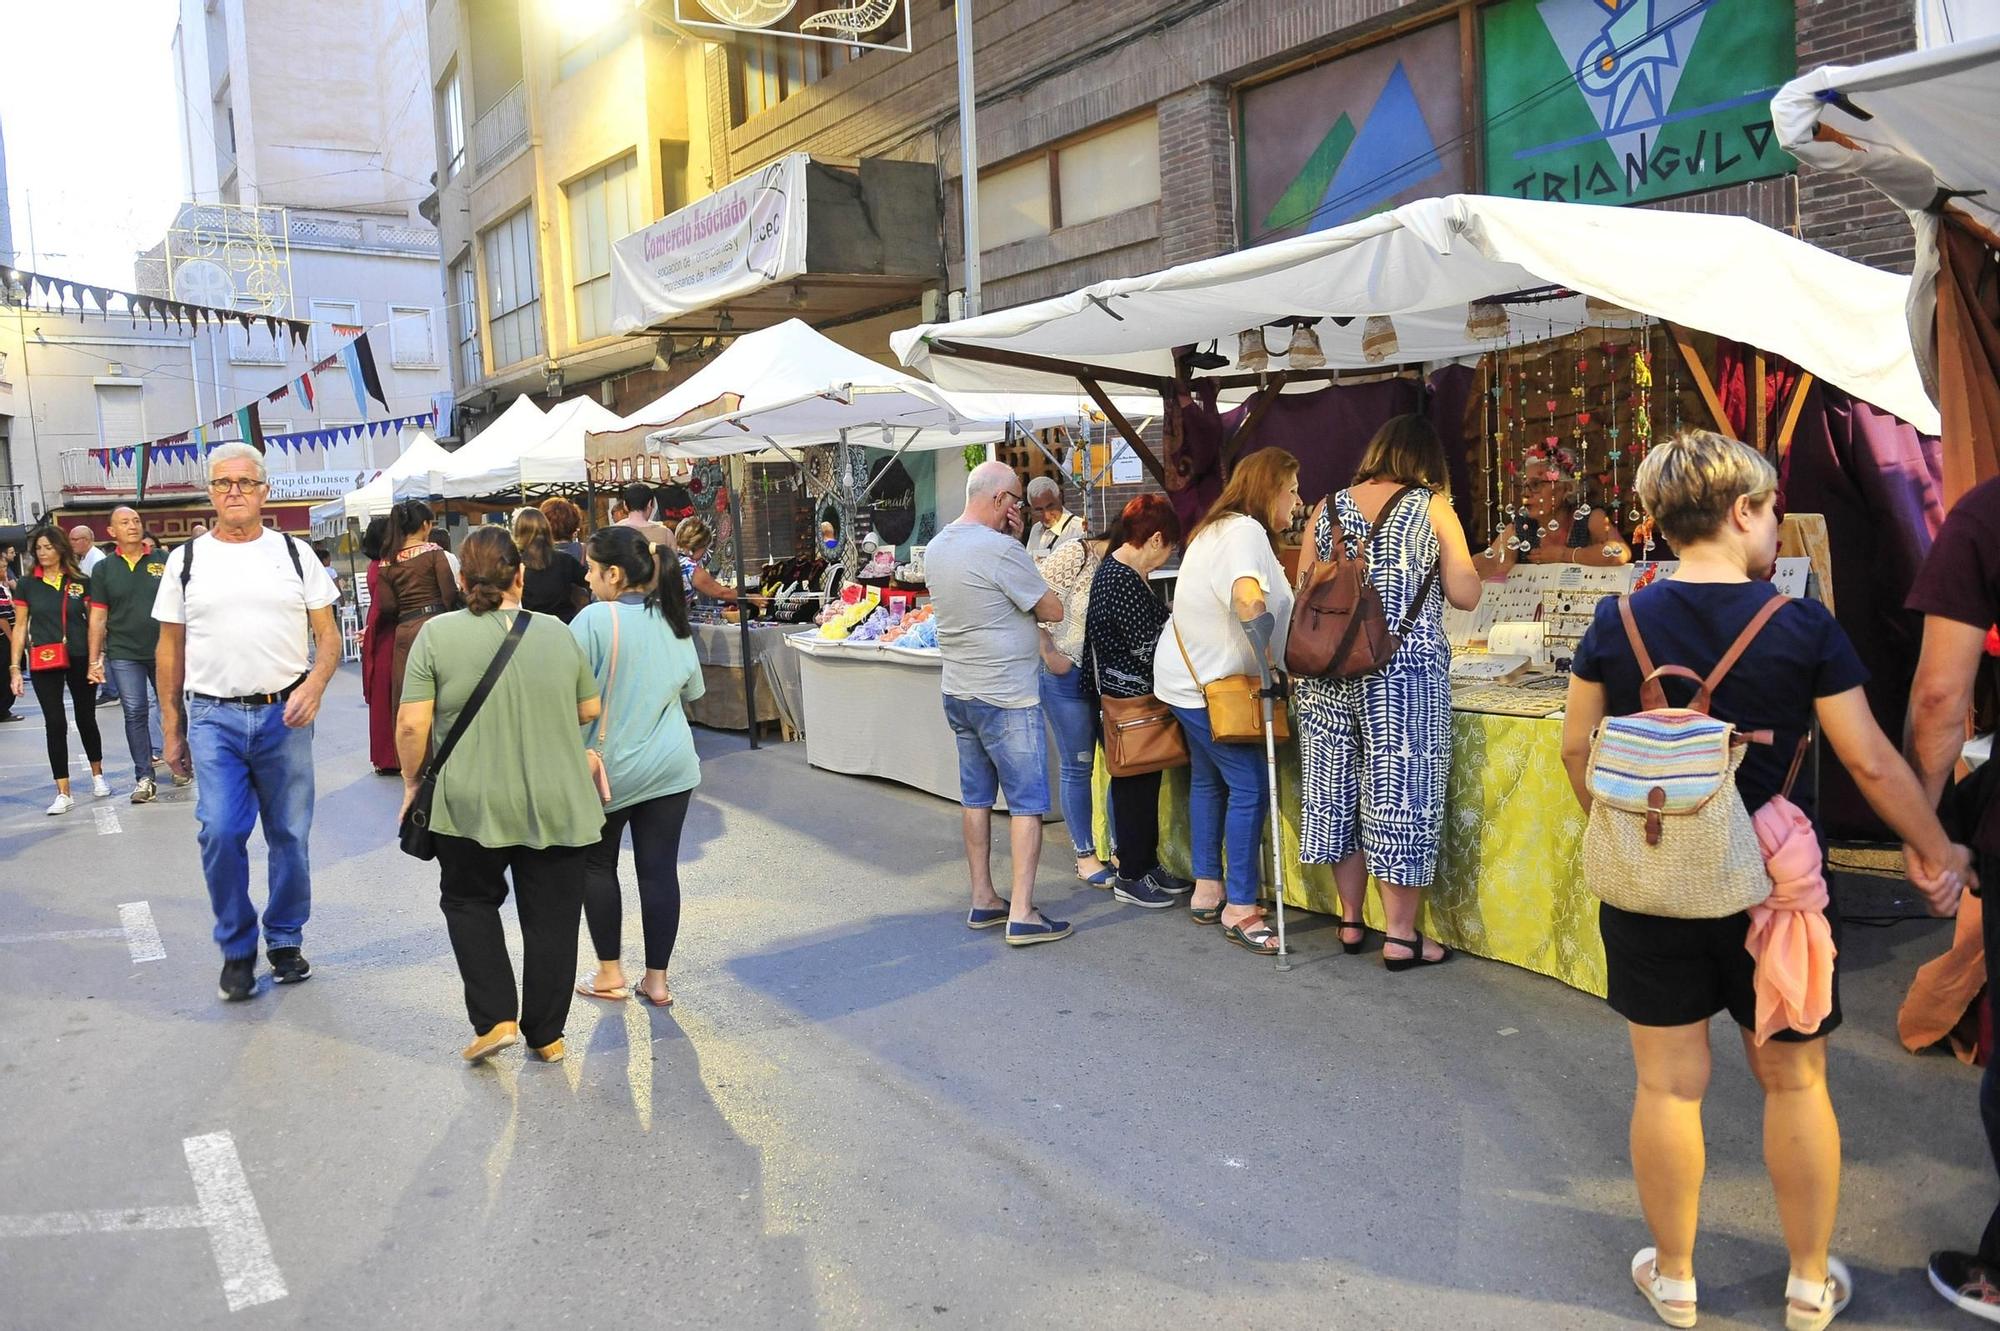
968	158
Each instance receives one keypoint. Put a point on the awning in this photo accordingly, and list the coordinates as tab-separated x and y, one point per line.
525	451
408	477
1418	269
796	235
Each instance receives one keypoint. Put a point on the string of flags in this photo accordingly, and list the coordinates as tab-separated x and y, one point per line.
191	446
184	315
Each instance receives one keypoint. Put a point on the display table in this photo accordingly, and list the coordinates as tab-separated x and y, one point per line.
879	711
1509	881
719	648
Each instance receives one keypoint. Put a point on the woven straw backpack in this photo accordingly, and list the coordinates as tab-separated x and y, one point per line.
1668	833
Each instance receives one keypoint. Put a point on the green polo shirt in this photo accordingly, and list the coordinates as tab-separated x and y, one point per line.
56	614
126	591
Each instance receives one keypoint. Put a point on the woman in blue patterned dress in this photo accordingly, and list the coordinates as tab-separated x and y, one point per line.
1376	750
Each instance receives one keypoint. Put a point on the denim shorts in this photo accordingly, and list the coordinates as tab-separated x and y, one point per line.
1000	749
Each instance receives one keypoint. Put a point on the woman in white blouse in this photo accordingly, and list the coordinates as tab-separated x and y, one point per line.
1229	574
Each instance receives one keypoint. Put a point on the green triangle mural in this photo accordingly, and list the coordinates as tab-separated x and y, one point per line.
1302	196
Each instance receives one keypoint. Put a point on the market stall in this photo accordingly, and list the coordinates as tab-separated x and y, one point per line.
408	477
1550	336
525	453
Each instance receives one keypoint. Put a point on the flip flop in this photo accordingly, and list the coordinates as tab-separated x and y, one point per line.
616	994
645	997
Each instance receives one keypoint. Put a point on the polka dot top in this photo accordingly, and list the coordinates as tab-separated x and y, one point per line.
1121	629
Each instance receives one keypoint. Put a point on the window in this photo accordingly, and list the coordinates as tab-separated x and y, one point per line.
325	314
411	344
256	345
1110	172
673	176
1076	182
121	414
1014	204
513	289
603	207
271	427
451	126
465	320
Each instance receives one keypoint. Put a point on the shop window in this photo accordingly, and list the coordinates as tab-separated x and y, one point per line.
325	314
603	207
121	414
465	320
513	289
411	343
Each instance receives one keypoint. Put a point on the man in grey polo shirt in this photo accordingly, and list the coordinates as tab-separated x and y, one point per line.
988	599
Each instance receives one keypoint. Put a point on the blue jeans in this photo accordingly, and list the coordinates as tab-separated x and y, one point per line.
1074	722
1000	748
251	764
142	714
1226	794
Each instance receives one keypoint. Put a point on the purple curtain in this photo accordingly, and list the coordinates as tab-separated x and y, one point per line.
1880	484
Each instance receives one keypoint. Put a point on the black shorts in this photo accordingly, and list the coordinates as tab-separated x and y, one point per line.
1663	972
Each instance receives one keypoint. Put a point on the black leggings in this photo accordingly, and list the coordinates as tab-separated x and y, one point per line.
83	694
1135	817
656	850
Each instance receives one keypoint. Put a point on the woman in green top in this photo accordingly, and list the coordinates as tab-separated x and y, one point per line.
52	609
643	657
519	797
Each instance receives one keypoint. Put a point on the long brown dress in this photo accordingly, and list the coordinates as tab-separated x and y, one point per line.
414	585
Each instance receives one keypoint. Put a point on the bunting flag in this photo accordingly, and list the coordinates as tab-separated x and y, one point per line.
249	428
361	374
306	391
145	453
154	309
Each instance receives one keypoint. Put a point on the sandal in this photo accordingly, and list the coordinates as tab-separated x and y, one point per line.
1102	878
1825	1300
1254	934
1661	1291
1416	957
1206	915
640	990
617	993
1351	949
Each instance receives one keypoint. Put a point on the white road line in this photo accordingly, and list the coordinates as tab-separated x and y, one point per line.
142	935
54	1224
107	821
235	1230
60	935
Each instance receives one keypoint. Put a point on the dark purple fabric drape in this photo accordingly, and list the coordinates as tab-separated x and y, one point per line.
1327	431
1880	484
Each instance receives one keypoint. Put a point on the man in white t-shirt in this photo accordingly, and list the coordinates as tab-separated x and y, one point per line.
988	599
247	632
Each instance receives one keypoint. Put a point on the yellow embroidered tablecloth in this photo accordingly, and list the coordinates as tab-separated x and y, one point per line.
1509	882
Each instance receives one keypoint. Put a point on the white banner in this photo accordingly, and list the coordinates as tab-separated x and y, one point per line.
318	484
744	236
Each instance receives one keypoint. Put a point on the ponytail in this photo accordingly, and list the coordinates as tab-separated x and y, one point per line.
624	549
405	520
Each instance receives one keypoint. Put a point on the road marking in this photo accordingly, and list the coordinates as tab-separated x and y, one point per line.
235	1230
225	1209
61	935
142	935
107	821
55	1224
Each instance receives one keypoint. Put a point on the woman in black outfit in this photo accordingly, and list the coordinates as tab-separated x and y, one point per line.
1121	628
52	608
553	581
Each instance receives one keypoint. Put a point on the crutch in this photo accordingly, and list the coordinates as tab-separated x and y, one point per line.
1258	631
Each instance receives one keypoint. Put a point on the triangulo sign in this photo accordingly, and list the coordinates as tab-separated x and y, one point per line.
744	236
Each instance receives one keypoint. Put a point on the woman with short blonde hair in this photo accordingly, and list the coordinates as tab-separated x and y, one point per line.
694	538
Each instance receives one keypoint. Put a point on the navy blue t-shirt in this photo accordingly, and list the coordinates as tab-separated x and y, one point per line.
1800	656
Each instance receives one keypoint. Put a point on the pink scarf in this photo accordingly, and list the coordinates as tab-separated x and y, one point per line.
1789	938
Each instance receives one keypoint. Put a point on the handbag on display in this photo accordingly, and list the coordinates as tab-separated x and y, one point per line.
1141	734
1339	627
414	833
53	655
1236	705
1668	833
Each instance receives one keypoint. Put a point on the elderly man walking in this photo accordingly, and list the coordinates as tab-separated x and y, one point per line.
247	632
989	598
123	635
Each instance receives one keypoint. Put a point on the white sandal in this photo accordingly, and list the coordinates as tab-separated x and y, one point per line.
1663	1291
1827	1298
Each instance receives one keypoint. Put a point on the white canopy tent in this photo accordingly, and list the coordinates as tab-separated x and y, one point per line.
408	477
1422	265
1920	128
542	449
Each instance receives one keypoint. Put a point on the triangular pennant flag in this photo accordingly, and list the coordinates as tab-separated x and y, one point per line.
249	428
279	394
139	488
306	391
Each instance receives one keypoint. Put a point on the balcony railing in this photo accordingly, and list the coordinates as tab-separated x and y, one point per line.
99	473
13	508
501	129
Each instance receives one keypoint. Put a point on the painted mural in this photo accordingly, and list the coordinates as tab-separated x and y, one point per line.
1625	101
1353	136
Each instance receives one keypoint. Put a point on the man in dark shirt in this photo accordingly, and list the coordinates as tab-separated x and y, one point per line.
1958	592
123	634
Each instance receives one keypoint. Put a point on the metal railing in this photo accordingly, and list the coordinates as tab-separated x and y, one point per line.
13	508
500	129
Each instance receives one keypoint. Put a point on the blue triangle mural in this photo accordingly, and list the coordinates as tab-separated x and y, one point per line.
1393	151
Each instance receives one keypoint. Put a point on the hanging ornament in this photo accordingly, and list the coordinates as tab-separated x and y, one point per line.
1378	338
1252	356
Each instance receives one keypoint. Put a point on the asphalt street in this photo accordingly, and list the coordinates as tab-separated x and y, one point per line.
859	1114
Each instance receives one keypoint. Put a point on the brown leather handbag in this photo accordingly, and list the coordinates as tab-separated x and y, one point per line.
1339	628
1141	734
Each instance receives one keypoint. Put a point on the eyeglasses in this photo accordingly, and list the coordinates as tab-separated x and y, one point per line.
235	487
1014	495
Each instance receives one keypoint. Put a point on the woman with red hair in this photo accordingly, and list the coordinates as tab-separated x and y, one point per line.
1121	628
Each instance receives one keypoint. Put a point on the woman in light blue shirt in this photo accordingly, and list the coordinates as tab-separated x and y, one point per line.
642	652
